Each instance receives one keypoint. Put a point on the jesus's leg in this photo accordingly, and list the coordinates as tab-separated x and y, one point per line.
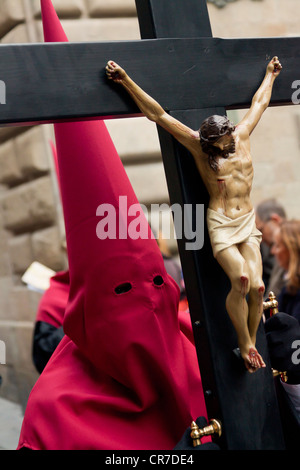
251	254
236	269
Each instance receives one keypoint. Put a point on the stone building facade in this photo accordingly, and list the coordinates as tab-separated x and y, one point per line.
31	222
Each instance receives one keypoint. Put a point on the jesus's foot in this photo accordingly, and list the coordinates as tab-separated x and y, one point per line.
253	360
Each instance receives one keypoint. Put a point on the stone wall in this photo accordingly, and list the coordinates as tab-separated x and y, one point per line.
31	223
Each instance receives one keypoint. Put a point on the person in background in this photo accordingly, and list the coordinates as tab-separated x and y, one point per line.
269	215
283	329
286	249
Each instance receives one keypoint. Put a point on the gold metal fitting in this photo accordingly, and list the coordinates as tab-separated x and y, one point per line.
195	434
272	304
213	429
283	375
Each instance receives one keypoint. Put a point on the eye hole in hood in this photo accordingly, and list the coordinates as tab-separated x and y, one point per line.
158	281
123	288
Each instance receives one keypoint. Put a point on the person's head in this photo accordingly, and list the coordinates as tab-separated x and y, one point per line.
216	138
269	215
286	249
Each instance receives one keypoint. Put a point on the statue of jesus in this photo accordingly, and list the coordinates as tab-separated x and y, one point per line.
222	154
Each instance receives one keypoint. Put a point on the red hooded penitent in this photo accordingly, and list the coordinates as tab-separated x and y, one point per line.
126	375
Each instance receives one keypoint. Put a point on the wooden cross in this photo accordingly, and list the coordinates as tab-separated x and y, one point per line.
192	75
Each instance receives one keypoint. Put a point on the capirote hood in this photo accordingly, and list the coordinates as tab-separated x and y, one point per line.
125	376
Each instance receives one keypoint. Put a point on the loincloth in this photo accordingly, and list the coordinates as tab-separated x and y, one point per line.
225	232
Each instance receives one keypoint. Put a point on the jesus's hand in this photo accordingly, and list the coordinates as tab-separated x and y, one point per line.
274	66
115	72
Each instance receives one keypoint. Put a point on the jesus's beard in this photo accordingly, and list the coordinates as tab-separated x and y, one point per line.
229	149
214	152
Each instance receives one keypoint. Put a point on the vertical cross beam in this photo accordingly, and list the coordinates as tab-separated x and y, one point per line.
245	403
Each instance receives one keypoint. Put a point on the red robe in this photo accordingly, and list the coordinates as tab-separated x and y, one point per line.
126	375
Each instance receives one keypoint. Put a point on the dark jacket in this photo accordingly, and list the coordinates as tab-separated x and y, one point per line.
289	303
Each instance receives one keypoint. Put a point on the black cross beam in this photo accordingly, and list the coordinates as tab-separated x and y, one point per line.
192	75
53	82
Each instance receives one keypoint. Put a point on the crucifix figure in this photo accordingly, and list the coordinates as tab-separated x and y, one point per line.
222	154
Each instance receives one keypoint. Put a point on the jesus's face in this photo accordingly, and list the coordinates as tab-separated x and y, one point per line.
226	144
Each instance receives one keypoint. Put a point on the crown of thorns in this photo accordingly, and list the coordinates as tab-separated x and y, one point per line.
225	129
